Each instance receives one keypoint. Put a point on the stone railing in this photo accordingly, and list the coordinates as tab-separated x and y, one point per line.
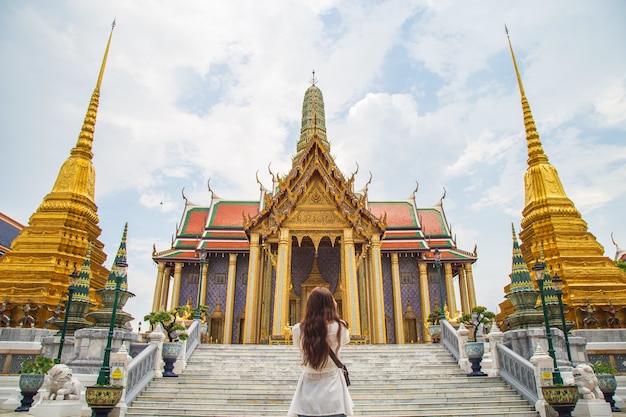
520	373
193	340
450	338
141	371
517	372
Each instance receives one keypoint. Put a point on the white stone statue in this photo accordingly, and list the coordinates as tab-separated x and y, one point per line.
61	384
587	382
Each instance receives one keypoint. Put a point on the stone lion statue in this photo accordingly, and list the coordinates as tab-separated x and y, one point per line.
61	384
587	382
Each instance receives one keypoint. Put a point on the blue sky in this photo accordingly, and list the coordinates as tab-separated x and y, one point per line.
414	91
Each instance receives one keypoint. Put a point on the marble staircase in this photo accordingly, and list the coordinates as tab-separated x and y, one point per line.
387	380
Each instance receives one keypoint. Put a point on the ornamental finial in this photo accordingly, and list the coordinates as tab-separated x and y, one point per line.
313	80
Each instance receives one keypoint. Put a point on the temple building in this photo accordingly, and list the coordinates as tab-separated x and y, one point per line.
552	230
34	273
255	262
9	229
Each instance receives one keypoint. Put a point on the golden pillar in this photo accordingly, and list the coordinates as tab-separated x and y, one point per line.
204	273
470	285
281	291
230	299
450	290
379	334
463	291
266	302
158	286
351	293
425	296
250	318
397	299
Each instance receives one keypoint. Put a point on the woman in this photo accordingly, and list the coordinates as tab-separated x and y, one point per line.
321	389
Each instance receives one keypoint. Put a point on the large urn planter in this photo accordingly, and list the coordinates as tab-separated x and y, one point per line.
434	330
29	385
102	399
171	351
608	385
562	398
475	352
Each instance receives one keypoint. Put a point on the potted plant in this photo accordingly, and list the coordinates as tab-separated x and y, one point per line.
562	398
31	379
605	372
474	349
434	327
175	332
102	399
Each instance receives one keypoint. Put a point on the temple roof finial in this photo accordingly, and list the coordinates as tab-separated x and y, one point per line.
313	80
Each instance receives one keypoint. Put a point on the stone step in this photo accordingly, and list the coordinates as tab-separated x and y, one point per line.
387	380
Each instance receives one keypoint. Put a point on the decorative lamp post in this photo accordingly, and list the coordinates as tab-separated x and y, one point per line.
437	256
538	270
104	377
70	292
202	253
558	287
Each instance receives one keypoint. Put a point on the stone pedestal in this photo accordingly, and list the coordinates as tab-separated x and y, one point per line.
592	408
89	346
65	408
50	348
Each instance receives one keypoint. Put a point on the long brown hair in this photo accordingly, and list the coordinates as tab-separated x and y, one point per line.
321	309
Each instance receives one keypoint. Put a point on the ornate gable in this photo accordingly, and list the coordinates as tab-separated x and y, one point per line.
315	195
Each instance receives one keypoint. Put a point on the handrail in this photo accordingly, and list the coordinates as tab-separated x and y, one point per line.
518	372
141	372
194	338
449	338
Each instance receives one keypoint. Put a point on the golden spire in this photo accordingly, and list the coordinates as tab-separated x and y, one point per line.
85	138
313	118
535	150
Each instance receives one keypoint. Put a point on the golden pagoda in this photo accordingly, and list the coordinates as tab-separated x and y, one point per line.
35	271
552	223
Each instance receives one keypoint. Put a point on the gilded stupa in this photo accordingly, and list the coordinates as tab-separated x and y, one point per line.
552	223
58	234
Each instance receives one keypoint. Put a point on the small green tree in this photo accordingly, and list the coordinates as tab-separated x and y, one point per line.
40	365
621	265
479	315
175	331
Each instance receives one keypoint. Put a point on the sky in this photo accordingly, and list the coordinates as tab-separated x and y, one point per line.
414	91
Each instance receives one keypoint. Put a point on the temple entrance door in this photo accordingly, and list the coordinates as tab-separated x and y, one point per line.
314	280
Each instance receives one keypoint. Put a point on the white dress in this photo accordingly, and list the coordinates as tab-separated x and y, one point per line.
322	392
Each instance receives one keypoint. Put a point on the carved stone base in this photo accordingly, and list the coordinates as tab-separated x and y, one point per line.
592	408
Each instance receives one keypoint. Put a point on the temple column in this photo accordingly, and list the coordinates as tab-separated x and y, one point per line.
250	316
450	290
158	286
165	292
378	319
425	296
229	306
351	293
470	285
281	291
397	299
463	291
175	288
204	276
